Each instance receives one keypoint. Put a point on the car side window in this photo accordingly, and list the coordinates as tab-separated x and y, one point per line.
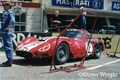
87	36
73	34
79	35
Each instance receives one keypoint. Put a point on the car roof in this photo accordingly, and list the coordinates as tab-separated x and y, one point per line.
79	30
76	30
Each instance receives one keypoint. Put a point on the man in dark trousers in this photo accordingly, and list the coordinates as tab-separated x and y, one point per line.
82	19
8	24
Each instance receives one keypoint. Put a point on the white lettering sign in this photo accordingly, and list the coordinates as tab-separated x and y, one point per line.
116	5
76	2
17	37
58	2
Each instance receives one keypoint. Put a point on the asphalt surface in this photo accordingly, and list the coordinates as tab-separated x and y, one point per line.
105	68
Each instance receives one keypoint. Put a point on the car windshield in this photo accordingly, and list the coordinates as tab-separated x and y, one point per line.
72	34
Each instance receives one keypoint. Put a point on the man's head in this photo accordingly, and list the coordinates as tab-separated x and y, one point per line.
7	6
57	13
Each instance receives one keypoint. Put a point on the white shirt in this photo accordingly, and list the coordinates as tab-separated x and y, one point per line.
84	10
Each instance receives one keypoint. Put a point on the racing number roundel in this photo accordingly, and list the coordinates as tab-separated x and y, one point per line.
45	47
89	48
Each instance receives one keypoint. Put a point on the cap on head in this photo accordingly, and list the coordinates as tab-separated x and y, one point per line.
8	4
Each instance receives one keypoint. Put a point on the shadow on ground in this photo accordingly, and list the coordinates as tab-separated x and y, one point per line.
40	62
47	61
32	62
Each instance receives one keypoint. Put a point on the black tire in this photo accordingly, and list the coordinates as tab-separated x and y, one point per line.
28	59
98	51
62	53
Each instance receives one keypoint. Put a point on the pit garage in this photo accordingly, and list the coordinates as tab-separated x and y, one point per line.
103	18
105	15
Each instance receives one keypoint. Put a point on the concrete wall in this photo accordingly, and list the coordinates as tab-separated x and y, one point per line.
33	20
47	3
108	4
36	1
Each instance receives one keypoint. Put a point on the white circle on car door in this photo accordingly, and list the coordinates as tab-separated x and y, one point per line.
89	48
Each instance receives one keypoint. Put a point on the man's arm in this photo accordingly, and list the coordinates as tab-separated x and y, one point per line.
12	21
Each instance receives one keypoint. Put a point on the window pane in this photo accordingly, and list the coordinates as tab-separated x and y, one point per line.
16	28
17	18
23	17
20	22
22	28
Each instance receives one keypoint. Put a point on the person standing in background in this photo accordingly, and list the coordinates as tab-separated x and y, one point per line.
8	24
82	20
56	20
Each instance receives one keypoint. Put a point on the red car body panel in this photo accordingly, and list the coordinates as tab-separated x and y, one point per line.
45	47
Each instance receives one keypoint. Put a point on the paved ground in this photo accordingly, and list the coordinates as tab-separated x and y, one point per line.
105	68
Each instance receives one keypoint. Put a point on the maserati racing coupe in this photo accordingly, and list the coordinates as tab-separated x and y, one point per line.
73	43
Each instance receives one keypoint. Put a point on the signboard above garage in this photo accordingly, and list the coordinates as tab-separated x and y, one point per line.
23	4
96	4
115	6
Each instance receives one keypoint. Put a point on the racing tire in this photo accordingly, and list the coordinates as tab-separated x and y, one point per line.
98	51
62	53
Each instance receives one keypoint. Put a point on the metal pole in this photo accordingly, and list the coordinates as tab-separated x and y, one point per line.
42	13
116	48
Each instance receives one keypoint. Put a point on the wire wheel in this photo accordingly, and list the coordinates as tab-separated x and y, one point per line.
62	53
98	51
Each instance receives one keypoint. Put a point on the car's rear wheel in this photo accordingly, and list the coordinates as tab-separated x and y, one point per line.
62	53
98	51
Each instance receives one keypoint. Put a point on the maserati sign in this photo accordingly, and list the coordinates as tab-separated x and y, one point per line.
97	4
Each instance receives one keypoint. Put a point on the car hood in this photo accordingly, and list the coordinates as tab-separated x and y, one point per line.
36	44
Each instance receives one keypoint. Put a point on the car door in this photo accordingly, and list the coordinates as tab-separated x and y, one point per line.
80	42
89	45
86	47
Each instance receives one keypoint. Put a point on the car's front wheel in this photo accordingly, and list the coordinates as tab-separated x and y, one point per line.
62	53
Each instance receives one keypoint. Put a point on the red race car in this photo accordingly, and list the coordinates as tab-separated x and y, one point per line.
73	43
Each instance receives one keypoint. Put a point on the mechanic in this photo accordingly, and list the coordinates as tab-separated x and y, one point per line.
82	19
8	24
56	20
